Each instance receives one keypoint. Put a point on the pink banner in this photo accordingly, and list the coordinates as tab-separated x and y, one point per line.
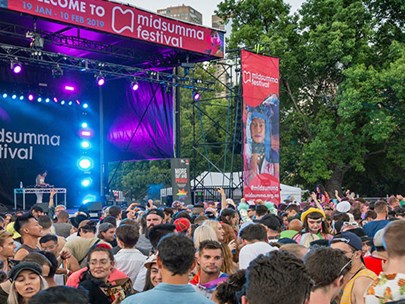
261	172
126	21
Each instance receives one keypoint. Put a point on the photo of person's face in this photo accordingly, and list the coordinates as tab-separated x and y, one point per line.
258	130
215	39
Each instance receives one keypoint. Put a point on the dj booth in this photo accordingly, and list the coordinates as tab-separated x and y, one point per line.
25	191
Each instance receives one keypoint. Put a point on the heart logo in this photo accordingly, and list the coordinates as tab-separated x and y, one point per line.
122	20
247	77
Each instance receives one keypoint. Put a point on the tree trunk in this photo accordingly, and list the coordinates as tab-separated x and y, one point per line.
335	182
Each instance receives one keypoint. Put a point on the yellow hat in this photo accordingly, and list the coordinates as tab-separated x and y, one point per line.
10	228
309	211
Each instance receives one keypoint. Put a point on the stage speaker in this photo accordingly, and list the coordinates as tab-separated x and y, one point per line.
94	206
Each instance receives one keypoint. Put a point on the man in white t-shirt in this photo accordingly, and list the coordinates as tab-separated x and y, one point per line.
254	242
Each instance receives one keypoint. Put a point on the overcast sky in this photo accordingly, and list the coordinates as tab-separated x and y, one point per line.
205	7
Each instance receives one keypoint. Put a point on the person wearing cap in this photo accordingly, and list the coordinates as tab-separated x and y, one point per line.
378	257
183	225
315	227
359	277
153	275
389	286
153	217
106	232
26	281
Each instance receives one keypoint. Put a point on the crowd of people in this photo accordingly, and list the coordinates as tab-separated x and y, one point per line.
345	250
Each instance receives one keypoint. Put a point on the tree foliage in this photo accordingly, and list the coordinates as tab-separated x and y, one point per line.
342	85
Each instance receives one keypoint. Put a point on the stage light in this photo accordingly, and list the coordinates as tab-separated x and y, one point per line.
134	85
85	144
16	67
196	95
85	106
70	103
14	96
78	101
84	125
30	97
87	181
47	100
5	95
69	88
85	163
21	97
85	133
39	99
100	80
89	198
55	99
62	102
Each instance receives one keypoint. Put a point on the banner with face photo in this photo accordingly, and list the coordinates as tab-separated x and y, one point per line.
260	85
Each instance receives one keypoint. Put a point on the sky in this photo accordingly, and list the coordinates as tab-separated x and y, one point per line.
205	7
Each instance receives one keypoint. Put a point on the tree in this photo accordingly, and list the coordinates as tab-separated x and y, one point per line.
342	75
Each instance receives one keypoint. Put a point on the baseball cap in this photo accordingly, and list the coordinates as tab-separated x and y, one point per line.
16	270
378	238
348	238
182	224
157	212
177	205
343	207
151	260
104	227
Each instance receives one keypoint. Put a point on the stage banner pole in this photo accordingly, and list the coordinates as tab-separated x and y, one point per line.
180	169
261	169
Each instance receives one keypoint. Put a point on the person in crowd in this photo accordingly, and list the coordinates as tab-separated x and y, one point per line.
60	295
359	277
378	257
62	225
175	259
261	210
254	241
251	212
278	277
168	215
292	211
7	247
48	263
327	268
129	259
230	217
315	227
115	212
293	229
155	235
321	195
273	226
183	225
389	286
217	226
95	279
210	259
106	232
36	211
40	183
66	261
227	292
26	281
153	217
297	250
203	233
381	208
153	276
29	229
79	247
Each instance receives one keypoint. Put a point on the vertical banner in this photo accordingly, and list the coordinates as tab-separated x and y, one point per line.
260	85
181	180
